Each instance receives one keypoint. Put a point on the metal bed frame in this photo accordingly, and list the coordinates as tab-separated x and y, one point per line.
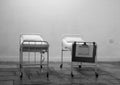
66	49
41	48
81	52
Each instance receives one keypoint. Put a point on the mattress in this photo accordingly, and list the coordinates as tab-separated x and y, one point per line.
31	38
33	42
68	41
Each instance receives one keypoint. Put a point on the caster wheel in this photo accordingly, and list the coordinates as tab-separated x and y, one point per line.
43	52
21	75
96	75
47	75
80	66
61	66
72	75
41	67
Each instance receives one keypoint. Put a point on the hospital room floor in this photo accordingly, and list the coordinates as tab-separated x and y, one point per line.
109	74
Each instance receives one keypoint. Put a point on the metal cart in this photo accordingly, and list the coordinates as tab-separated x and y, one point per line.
66	45
32	43
84	52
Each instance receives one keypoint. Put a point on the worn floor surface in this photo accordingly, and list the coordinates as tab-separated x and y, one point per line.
109	74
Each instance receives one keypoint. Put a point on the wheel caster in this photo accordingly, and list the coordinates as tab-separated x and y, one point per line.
41	67
47	75
72	75
80	66
96	75
21	75
43	52
61	65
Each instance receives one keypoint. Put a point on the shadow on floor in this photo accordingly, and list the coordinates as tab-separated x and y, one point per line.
109	74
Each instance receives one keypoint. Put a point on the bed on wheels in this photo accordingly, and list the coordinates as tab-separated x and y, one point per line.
84	52
81	51
33	43
66	45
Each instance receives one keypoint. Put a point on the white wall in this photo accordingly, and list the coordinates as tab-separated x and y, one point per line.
95	20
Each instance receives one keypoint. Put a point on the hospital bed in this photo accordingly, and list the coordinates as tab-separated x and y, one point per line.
66	45
71	42
33	43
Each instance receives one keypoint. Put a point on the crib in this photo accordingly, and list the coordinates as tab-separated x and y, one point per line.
33	43
85	52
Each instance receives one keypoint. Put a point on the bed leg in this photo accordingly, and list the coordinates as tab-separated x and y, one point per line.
47	75
61	59
21	75
40	60
20	64
80	66
72	70
61	66
35	57
96	72
48	63
72	74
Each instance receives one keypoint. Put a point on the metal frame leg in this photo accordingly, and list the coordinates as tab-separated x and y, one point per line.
40	60
21	63
71	66
35	57
29	57
80	65
48	64
61	59
96	71
96	68
72	69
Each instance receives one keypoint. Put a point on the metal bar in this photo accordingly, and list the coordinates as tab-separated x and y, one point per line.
20	58
61	57
71	64
47	62
35	56
40	60
29	55
33	64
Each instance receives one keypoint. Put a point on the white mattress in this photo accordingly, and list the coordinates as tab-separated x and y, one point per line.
32	40
31	37
68	41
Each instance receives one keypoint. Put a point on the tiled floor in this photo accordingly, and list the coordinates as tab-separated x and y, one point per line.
109	74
